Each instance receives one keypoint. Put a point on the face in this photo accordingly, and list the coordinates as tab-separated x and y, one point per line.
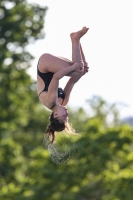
61	114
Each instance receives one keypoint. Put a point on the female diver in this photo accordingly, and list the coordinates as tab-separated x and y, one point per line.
50	70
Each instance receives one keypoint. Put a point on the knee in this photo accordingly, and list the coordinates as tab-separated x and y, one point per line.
45	58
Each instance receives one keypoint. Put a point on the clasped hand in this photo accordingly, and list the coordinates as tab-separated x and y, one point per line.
80	70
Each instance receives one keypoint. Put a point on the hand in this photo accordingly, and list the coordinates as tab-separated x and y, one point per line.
78	67
86	68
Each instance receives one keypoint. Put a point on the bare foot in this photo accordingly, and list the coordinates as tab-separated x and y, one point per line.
77	35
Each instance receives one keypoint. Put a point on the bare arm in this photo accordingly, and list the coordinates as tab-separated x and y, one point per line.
52	90
70	84
68	88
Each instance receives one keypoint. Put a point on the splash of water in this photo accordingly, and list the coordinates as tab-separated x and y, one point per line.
62	149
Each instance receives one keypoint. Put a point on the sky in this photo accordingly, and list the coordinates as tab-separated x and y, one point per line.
108	47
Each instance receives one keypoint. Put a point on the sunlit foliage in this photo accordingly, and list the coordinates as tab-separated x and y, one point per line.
103	167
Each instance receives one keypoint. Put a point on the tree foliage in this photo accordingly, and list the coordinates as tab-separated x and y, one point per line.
20	24
103	168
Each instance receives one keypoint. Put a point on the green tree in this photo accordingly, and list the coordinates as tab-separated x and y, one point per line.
78	118
108	113
22	118
103	167
20	24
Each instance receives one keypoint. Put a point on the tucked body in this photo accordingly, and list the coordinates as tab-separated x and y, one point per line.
50	70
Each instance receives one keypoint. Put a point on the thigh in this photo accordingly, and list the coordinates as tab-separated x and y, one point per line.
51	63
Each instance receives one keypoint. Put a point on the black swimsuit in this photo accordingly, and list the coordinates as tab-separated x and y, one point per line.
47	77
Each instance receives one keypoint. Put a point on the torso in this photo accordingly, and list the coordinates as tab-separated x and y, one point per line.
44	100
42	88
43	93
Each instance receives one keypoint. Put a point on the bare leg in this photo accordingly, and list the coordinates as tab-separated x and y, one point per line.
50	63
82	54
77	53
86	68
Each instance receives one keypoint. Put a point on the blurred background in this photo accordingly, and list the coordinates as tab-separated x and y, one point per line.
107	47
101	105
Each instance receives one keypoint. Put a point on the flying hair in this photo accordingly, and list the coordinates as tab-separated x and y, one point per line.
57	126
